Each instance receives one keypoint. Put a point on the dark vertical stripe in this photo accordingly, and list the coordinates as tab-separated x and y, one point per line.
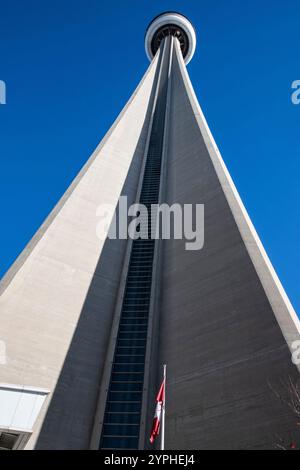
121	426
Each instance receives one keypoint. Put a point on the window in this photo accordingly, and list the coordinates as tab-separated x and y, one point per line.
119	443
126	386
124	396
128	367
19	408
127	430
13	441
129	407
119	418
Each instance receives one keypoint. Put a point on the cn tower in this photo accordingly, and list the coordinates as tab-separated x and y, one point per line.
88	322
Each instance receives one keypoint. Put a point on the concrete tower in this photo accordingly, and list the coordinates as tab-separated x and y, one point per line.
86	323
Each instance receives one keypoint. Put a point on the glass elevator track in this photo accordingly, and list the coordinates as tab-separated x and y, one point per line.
122	416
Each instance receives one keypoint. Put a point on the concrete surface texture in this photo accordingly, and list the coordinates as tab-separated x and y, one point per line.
57	301
226	325
223	322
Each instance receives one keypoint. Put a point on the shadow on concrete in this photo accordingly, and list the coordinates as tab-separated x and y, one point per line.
69	419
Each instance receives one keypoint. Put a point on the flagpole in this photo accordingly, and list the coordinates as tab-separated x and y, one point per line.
162	444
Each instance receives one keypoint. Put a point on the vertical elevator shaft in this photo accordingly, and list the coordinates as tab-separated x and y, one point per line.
121	424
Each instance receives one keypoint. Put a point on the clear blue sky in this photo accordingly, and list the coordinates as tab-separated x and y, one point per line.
70	66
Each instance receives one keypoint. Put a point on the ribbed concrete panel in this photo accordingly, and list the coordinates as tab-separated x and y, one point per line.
224	314
218	317
57	300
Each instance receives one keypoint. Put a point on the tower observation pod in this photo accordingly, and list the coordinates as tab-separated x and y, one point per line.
88	320
171	24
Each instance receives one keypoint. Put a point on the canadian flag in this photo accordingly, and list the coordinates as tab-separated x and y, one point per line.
160	401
